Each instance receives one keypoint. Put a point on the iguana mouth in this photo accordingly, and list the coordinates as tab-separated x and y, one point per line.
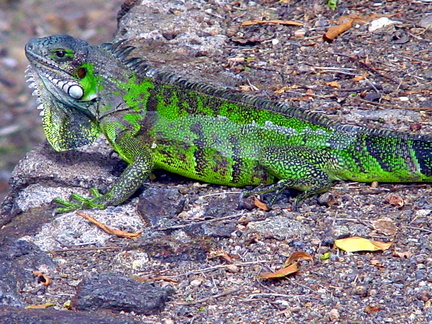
31	79
51	77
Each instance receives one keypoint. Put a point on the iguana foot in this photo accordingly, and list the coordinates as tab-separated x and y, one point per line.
81	202
275	190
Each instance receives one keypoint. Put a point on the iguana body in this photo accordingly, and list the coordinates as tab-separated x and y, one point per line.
158	120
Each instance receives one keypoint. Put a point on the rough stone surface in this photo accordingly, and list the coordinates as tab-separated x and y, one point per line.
110	291
13	315
18	260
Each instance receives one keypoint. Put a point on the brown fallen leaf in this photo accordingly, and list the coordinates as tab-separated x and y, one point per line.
385	225
284	88
300	255
107	229
164	278
394	200
334	84
344	23
42	278
403	255
377	263
372	309
359	78
224	255
356	244
293	268
258	203
276	21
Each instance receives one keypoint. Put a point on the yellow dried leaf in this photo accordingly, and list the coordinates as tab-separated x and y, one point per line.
275	21
355	244
43	306
293	268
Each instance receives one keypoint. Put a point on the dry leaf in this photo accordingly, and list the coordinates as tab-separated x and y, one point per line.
107	229
377	263
293	268
334	84
284	88
245	88
220	253
344	23
372	309
258	203
42	278
402	255
356	244
394	200
382	245
276	21
298	256
385	225
164	278
359	78
43	306
335	31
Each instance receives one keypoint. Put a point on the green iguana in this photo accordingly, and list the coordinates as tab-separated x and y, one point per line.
154	119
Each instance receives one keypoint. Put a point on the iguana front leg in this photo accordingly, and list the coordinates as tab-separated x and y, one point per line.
140	162
299	168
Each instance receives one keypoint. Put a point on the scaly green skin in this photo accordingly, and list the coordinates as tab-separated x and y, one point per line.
158	120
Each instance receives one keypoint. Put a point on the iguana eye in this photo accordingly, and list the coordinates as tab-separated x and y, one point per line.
60	53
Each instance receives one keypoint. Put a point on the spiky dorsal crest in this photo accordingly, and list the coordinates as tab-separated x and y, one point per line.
141	65
122	52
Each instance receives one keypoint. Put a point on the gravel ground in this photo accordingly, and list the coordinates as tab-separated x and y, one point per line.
200	257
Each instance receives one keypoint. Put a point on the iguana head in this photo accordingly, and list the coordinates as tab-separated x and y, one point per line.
67	87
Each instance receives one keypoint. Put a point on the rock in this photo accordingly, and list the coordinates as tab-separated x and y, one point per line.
18	259
156	203
14	315
279	227
115	292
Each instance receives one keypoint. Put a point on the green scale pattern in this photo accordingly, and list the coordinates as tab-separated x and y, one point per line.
159	120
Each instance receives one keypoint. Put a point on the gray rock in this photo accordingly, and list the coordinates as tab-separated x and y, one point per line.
279	227
18	259
14	315
117	293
